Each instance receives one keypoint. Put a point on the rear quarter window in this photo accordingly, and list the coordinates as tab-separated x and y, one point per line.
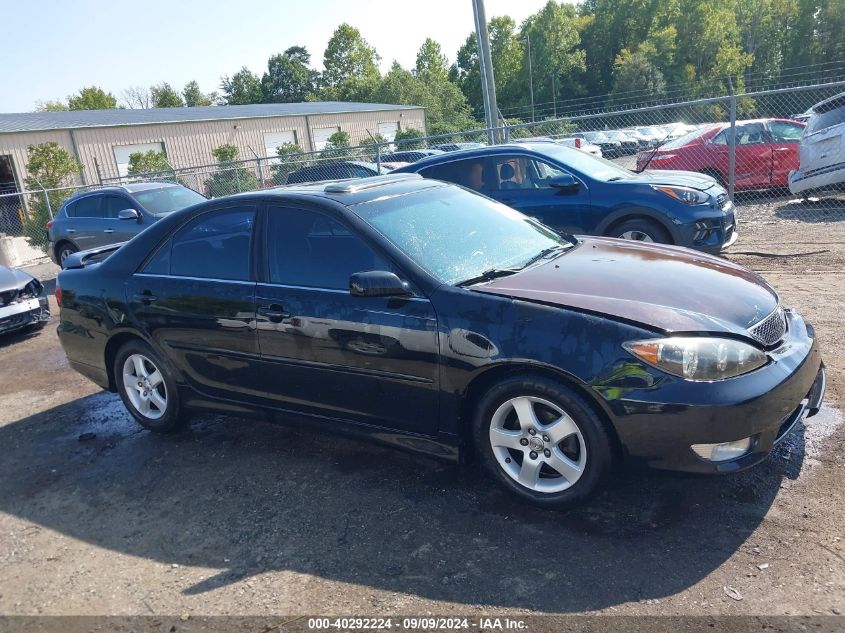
830	117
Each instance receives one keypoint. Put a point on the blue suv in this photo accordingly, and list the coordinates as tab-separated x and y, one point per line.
574	192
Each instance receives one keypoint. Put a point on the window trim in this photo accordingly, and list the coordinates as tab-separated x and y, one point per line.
252	205
263	261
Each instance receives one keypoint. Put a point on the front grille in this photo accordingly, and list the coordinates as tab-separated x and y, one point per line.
771	329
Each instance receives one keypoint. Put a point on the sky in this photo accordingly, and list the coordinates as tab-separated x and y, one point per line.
54	48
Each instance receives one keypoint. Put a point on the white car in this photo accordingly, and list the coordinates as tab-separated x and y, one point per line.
822	149
579	141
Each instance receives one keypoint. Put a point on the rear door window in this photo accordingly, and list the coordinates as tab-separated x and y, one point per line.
89	207
830	117
478	174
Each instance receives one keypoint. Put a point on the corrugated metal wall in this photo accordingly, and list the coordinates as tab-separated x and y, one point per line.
189	144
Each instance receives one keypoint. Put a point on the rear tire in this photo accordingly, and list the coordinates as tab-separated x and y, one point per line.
147	388
641	230
63	251
542	441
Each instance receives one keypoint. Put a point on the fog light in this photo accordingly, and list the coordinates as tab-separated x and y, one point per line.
723	452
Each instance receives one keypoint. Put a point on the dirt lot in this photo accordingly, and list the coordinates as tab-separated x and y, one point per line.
242	517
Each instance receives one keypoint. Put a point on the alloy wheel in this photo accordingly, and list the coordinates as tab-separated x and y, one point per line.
144	386
637	236
537	444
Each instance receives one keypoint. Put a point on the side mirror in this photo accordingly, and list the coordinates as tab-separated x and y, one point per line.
565	182
129	214
378	283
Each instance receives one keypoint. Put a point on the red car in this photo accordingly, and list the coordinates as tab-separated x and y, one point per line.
766	151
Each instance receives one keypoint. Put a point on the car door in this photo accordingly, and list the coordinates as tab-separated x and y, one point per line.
785	139
85	226
523	182
116	230
753	156
325	352
195	298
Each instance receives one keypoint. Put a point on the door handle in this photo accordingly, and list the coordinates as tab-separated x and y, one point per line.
782	149
71	231
108	230
275	312
145	297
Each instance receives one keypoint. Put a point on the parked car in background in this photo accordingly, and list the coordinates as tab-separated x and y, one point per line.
822	149
579	141
109	215
453	147
390	166
628	145
766	151
420	314
409	156
576	193
608	147
335	170
23	303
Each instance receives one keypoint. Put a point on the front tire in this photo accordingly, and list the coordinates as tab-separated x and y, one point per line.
147	388
641	230
543	442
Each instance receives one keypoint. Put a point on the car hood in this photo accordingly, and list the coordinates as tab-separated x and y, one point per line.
13	278
667	288
691	179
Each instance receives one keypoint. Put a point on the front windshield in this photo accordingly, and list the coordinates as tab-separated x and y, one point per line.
457	235
167	199
584	163
686	139
595	136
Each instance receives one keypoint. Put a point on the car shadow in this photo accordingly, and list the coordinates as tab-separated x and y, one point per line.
813	210
247	497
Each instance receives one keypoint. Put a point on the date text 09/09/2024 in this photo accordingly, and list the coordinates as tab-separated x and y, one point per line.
416	624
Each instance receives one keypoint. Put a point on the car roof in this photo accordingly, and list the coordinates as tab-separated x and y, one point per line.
127	188
480	152
352	191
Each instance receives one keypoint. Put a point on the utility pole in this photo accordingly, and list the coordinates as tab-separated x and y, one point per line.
527	40
488	84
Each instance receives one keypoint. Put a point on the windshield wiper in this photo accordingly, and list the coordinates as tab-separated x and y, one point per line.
545	253
487	275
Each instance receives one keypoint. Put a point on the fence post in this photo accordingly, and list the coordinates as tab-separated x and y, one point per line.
260	172
238	179
378	158
47	200
732	149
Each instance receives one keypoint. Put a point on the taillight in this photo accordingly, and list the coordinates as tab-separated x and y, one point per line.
50	224
577	146
58	295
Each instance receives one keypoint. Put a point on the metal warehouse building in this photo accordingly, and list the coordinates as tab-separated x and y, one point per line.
102	140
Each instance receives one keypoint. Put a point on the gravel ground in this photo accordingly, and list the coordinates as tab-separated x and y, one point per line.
243	517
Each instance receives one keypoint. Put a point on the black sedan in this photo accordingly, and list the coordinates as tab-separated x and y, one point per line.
22	301
440	321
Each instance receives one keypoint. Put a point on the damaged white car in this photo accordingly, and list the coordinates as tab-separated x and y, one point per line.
822	149
23	303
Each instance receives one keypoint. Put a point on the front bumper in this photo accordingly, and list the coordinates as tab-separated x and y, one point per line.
659	425
23	314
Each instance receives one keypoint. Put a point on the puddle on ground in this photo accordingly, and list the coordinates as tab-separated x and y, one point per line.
104	415
812	441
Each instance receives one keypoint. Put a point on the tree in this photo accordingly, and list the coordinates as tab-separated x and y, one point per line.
636	79
446	107
557	57
164	96
288	78
136	97
337	146
231	176
348	56
243	87
370	145
92	98
431	62
409	139
50	106
151	162
49	166
290	159
195	97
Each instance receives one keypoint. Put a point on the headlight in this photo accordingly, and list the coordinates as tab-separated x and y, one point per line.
698	358
683	194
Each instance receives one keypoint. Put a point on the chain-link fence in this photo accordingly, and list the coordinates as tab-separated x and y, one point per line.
755	144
